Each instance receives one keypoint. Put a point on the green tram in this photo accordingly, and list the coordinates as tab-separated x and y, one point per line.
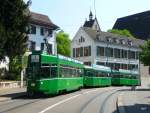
97	76
124	78
49	74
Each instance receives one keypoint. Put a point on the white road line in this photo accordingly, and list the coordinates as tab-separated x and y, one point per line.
65	100
90	91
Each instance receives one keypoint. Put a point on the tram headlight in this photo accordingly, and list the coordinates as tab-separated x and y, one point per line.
32	84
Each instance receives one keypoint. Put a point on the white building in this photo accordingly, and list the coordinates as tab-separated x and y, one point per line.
42	27
93	46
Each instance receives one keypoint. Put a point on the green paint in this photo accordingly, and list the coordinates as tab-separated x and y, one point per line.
56	85
97	81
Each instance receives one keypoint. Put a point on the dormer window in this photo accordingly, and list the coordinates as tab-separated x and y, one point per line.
117	41
130	42
108	39
122	41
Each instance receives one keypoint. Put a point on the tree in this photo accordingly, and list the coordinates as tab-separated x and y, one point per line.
121	32
14	19
145	53
13	23
63	43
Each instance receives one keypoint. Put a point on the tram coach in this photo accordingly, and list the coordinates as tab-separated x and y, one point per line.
49	74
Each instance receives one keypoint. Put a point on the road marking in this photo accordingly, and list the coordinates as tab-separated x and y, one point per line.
90	91
65	100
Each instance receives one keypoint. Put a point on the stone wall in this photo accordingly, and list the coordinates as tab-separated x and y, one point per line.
13	84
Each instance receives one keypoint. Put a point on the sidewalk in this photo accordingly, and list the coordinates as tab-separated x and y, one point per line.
11	93
134	101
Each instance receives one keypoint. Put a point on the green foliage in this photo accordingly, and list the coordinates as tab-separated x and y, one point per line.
145	54
121	32
15	67
13	23
63	43
14	19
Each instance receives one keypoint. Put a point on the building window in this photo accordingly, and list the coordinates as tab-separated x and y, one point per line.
109	52
81	51
32	47
49	49
100	51
87	51
81	39
32	29
50	32
117	53
122	41
74	52
131	54
42	46
42	31
77	52
123	53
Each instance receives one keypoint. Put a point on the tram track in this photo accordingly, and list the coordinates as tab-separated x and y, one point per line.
25	104
88	102
15	104
103	103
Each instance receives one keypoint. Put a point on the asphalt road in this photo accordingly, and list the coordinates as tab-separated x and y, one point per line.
95	100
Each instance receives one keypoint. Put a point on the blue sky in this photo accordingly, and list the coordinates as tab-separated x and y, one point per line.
71	14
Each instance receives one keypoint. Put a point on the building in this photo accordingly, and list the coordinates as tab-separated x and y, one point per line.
93	46
137	24
41	27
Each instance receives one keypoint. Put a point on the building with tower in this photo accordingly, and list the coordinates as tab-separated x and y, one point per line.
93	46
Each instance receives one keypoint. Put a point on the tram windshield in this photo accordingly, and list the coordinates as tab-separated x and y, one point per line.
48	71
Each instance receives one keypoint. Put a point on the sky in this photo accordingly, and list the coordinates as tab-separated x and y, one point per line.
70	15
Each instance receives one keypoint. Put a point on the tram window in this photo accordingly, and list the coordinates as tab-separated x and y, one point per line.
80	72
53	72
45	72
62	72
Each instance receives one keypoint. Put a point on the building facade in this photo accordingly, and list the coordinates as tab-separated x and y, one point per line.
93	46
41	27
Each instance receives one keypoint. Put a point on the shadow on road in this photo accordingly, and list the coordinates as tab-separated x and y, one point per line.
143	89
136	108
23	95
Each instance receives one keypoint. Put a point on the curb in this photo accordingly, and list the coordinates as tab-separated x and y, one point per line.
2	99
120	107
